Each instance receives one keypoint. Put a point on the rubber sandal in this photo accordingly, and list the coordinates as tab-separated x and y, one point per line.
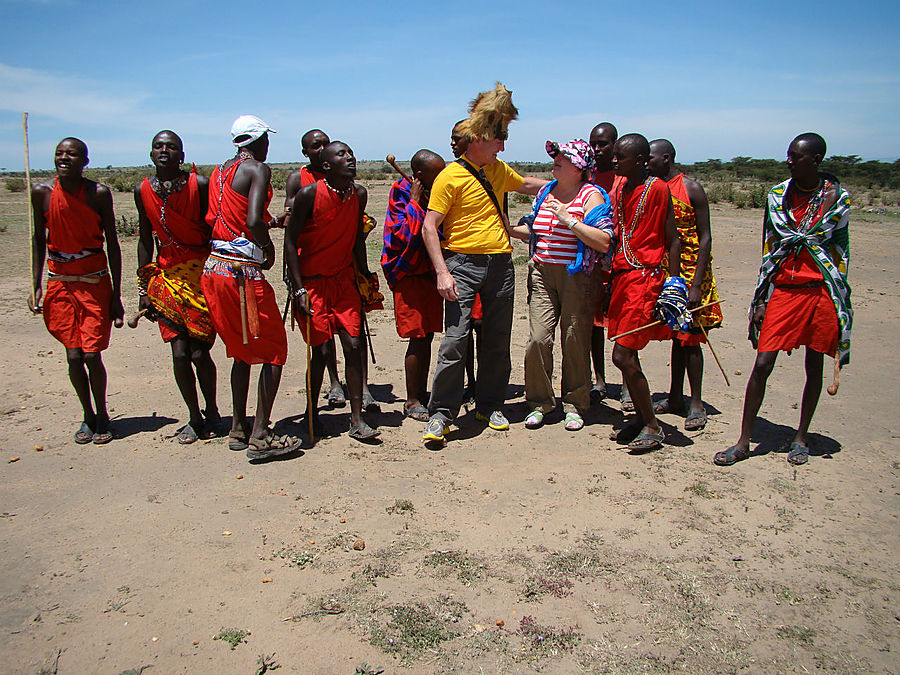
212	425
732	455
419	413
627	405
237	440
647	441
336	397
798	453
626	434
574	422
272	446
187	435
369	403
695	421
364	433
534	420
102	437
598	393
662	407
84	434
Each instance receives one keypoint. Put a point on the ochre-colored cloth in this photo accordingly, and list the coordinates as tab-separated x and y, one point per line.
336	305
686	223
418	307
184	235
309	176
232	206
267	340
325	245
471	222
177	298
222	295
800	316
634	296
76	313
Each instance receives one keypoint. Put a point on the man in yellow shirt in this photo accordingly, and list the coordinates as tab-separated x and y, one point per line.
465	232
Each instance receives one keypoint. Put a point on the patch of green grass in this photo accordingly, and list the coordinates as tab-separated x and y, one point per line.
294	558
232	636
411	629
547	640
800	634
699	489
538	585
266	664
401	506
467	567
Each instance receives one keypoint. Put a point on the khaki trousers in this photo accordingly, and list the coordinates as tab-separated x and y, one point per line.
557	298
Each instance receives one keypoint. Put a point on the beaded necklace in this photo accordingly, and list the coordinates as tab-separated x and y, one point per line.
812	208
164	189
344	194
630	256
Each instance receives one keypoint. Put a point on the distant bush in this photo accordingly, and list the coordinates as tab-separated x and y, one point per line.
519	198
15	184
127	226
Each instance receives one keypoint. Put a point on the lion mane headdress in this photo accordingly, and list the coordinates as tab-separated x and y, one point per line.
489	115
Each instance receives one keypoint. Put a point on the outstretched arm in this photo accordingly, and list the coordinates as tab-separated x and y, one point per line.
531	185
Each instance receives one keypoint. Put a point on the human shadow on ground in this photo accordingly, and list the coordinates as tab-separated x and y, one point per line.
384	393
123	427
771	437
334	424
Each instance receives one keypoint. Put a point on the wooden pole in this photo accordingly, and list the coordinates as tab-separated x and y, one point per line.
29	208
309	401
709	344
659	323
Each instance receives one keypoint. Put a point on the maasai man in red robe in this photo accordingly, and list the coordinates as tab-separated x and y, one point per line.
602	140
324	246
73	216
241	302
645	230
692	222
171	208
418	307
802	296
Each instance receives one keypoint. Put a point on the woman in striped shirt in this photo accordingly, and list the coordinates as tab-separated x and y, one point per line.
570	227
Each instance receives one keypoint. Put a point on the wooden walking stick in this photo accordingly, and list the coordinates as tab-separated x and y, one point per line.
29	209
390	159
309	401
659	323
709	344
833	387
133	321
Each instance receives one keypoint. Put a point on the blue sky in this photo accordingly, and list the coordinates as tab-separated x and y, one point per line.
719	79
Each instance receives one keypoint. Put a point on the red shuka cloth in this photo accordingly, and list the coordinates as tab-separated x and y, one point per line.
76	313
308	176
233	222
189	232
325	246
635	291
221	288
797	317
418	307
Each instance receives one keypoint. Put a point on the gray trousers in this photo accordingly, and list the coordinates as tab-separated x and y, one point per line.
494	277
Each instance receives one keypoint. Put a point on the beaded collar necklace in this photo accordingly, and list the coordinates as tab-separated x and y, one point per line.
812	208
344	194
630	256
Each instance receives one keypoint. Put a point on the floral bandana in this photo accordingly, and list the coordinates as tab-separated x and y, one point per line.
577	151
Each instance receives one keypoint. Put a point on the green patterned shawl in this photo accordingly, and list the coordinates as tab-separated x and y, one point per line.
828	241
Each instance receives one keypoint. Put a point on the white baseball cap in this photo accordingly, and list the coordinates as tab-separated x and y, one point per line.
250	126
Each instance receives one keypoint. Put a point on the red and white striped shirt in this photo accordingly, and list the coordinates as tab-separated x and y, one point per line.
556	243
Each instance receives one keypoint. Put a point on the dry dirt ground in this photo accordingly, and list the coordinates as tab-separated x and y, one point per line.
504	552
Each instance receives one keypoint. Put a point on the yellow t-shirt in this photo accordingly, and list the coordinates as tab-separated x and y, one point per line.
471	222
